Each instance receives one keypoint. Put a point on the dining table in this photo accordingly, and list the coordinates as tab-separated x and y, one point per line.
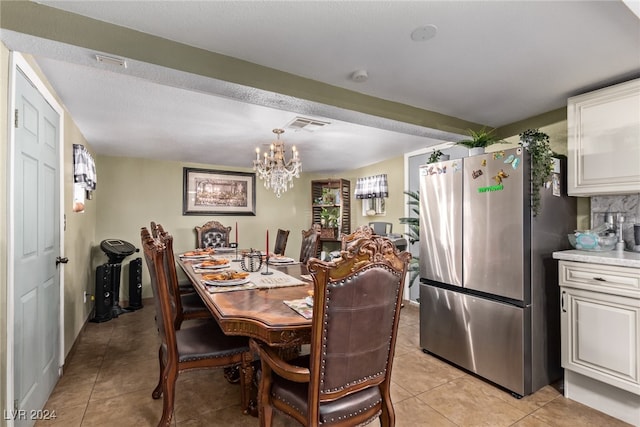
260	309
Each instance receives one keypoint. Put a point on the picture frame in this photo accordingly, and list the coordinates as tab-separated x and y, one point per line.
218	192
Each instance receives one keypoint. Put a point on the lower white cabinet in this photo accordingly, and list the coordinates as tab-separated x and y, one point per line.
600	328
601	337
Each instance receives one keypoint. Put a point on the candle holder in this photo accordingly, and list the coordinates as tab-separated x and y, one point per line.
237	258
266	271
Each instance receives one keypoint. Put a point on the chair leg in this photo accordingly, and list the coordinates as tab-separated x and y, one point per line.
169	392
157	392
265	410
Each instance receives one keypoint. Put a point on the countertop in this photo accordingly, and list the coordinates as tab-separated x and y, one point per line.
624	258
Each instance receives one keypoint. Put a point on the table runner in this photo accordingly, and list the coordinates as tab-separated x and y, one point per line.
258	280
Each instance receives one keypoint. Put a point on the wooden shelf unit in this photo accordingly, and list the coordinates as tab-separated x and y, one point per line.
342	188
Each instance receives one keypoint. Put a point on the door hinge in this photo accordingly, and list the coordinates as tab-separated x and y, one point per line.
15	118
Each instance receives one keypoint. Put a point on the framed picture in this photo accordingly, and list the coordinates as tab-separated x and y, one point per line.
215	192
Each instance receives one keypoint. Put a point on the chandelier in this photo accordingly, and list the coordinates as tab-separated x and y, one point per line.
274	169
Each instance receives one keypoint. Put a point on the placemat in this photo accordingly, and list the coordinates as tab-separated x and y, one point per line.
301	307
258	280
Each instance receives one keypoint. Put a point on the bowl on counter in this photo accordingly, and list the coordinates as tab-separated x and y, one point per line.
588	241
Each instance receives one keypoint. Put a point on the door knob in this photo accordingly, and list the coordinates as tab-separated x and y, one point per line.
60	260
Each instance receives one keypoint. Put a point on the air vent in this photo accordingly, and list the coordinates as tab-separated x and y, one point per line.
118	62
309	125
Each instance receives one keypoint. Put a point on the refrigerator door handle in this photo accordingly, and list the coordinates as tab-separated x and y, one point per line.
564	310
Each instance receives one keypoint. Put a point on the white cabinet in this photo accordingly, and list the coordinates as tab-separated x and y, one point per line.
600	329
604	141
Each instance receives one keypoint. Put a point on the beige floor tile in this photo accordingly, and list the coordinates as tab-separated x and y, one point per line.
118	378
227	417
419	372
399	393
466	403
130	409
531	421
409	337
70	392
562	412
69	416
203	391
414	412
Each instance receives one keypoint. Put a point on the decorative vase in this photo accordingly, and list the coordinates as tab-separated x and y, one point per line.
476	151
251	261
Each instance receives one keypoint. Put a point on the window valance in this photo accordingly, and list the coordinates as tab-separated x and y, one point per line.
84	168
372	187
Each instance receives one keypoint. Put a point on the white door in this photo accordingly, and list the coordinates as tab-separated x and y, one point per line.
36	294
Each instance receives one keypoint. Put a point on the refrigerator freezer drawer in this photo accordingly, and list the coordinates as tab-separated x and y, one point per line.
483	336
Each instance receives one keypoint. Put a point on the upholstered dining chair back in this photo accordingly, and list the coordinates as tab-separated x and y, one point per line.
310	242
154	254
212	234
362	232
171	274
187	306
281	242
356	309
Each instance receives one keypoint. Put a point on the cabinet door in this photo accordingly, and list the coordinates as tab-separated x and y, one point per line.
600	337
604	141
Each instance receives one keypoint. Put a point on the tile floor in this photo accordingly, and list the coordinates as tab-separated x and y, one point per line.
113	368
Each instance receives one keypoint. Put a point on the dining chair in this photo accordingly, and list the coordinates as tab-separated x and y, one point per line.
310	242
381	228
345	378
362	232
212	234
196	347
185	286
188	305
281	242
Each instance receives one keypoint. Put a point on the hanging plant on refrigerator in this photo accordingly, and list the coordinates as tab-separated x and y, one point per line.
538	145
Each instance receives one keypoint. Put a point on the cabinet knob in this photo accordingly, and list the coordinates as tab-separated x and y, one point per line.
599	279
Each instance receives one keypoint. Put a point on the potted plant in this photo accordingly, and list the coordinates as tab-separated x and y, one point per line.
538	145
329	222
328	196
479	140
414	232
436	156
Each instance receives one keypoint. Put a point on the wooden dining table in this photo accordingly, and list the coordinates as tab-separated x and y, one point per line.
258	313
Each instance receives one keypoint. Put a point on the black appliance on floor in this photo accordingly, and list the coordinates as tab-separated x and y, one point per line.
108	280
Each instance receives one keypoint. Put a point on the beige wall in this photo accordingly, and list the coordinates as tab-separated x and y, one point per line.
395	203
132	192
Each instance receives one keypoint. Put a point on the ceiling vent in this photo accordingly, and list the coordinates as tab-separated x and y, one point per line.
301	123
118	62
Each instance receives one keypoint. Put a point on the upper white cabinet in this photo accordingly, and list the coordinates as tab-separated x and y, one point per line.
604	141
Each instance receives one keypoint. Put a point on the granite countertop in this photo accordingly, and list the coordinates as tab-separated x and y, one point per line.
624	258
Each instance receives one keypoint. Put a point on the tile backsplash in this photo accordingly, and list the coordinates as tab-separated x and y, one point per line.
628	205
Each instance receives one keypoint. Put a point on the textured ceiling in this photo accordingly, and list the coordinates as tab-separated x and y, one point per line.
492	63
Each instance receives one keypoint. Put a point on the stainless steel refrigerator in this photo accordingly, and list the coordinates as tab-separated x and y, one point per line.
489	296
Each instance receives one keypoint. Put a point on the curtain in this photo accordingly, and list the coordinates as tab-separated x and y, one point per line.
84	176
84	168
372	187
